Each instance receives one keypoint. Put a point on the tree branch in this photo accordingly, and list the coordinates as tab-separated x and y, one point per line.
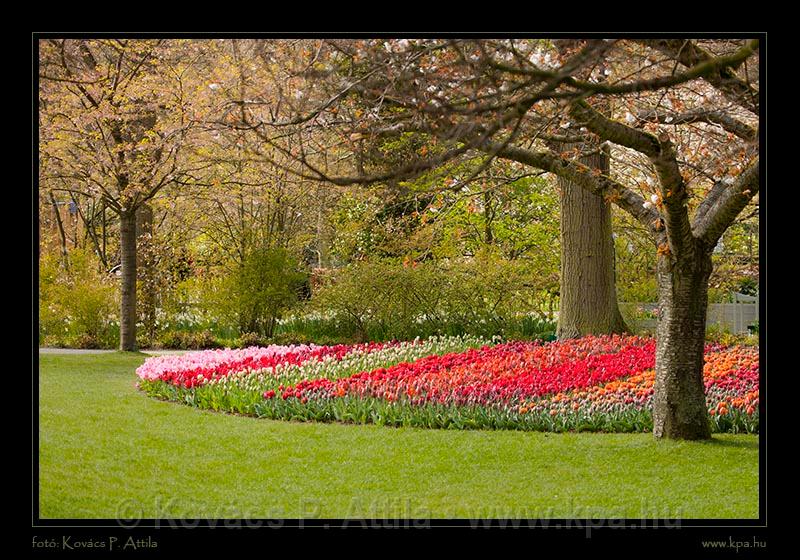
585	177
728	123
614	131
710	226
723	78
662	155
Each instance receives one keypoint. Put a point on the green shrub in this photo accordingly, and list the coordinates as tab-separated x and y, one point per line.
321	328
286	338
536	328
719	335
385	299
182	340
87	341
639	318
251	339
78	304
257	294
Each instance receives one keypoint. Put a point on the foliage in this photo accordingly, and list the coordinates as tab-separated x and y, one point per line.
77	303
247	340
268	283
182	340
382	300
163	109
246	301
717	335
442	215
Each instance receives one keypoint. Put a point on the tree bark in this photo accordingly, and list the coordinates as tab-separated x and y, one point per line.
61	233
145	272
588	276
127	320
679	402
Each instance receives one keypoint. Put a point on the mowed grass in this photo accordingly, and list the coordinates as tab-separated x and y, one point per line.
107	451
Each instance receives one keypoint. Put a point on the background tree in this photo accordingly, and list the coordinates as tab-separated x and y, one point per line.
508	99
114	118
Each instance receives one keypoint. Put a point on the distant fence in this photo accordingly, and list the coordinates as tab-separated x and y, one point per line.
735	317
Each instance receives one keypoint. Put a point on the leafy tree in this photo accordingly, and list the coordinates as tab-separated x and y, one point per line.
115	116
678	118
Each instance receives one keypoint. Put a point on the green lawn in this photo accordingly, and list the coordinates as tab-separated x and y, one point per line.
106	450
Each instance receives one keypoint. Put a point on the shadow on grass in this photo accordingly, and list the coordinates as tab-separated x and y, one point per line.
740	443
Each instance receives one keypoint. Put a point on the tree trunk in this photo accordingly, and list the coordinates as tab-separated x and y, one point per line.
588	278
147	288
61	233
127	320
679	402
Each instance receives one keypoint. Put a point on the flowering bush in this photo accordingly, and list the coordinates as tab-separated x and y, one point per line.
593	383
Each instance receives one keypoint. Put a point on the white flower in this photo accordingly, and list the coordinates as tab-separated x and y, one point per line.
542	59
213	87
647	204
629	118
727	180
654	199
402	44
668	120
298	94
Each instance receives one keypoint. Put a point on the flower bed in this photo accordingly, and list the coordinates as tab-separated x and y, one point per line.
593	383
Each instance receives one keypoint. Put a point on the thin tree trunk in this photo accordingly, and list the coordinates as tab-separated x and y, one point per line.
679	402
61	232
488	217
104	256
145	273
588	275
127	320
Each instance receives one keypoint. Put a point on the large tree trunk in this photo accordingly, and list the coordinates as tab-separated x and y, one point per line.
588	279
127	320
679	402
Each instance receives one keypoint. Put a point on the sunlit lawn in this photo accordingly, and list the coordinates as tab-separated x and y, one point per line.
106	450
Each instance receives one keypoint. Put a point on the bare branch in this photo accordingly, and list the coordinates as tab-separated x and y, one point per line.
728	123
662	155
723	78
585	177
733	200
